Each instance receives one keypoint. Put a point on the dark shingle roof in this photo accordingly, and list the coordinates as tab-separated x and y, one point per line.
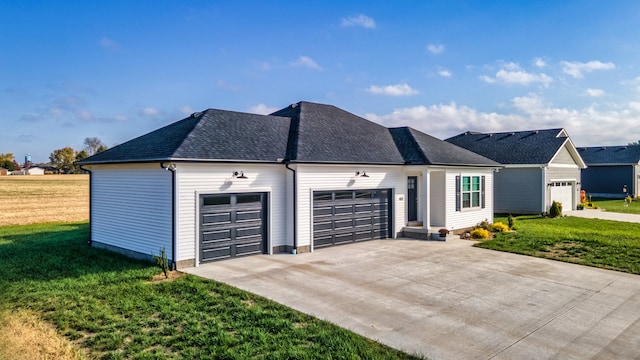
420	148
520	147
303	132
216	135
596	155
325	133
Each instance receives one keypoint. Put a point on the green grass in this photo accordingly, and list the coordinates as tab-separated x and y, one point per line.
107	304
618	205
593	242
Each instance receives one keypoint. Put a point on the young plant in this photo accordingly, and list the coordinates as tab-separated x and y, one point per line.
512	221
480	233
555	210
162	261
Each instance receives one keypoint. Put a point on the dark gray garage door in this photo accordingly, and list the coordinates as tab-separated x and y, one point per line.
232	225
346	216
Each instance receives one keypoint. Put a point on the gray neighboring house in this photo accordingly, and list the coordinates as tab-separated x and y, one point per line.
540	166
612	172
221	184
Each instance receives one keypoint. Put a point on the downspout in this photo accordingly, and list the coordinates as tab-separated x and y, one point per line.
172	168
295	209
89	242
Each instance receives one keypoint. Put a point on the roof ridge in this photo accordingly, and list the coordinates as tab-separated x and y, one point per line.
198	115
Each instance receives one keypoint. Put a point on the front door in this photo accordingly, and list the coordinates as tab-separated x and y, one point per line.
412	198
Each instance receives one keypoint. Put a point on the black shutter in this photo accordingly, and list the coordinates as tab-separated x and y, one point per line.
458	197
482	192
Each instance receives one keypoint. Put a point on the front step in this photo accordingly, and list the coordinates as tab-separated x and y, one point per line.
421	233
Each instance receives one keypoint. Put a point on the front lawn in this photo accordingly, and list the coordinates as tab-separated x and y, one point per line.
593	242
110	307
618	205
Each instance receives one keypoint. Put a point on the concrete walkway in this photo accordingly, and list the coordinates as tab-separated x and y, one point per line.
451	300
604	215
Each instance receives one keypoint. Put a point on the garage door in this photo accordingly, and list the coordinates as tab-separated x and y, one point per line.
347	216
232	225
562	192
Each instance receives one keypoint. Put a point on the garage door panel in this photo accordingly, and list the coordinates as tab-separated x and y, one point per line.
218	235
216	219
232	225
341	217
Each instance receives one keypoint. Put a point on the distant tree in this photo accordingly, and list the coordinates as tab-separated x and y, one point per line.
62	159
7	165
102	148
93	145
6	158
80	155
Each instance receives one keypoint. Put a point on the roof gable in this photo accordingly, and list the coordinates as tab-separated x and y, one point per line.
536	147
610	155
213	135
420	148
325	133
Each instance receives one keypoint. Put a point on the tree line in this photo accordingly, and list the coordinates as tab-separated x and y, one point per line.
62	160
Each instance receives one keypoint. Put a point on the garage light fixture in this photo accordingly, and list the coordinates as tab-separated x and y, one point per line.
362	173
239	175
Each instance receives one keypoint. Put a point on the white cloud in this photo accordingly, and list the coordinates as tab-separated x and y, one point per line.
120	118
306	61
358	20
226	86
149	111
262	109
539	62
393	90
594	92
435	49
513	74
186	110
576	69
109	44
445	73
589	126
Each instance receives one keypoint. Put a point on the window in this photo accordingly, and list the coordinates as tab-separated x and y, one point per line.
469	192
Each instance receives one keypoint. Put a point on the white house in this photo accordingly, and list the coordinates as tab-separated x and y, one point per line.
220	184
540	166
30	171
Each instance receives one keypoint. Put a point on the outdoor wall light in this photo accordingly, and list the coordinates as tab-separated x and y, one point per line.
239	175
362	173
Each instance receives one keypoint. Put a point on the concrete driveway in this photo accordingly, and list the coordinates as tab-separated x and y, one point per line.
452	301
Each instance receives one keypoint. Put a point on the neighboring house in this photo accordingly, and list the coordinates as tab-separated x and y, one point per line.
4	172
30	171
221	184
540	166
613	171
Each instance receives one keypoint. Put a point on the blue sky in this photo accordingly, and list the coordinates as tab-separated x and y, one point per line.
119	69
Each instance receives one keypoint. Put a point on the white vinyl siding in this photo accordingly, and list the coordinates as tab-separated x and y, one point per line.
131	207
564	157
334	177
468	217
438	198
196	179
519	190
563	174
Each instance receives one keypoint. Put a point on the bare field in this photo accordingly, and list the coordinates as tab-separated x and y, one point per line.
34	199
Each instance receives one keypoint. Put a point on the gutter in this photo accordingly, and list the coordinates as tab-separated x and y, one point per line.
172	168
295	208
89	242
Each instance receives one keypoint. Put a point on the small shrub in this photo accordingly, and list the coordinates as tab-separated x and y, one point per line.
512	221
499	227
480	233
555	210
162	262
484	225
